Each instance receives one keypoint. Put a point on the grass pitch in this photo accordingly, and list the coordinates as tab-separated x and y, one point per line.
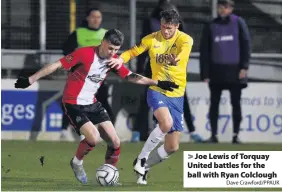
22	171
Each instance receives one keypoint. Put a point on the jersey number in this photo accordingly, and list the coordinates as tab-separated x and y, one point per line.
162	58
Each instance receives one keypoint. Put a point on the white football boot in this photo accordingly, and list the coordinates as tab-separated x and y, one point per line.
79	172
141	172
142	179
139	166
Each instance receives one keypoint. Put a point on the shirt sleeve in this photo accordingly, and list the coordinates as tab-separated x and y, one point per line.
72	59
245	45
122	72
137	49
186	43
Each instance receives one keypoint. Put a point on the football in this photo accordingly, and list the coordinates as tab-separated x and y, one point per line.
107	175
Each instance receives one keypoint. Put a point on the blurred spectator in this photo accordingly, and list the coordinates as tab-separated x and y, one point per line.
224	59
89	34
152	24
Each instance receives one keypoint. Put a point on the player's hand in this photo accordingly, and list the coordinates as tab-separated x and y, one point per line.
243	73
172	59
22	82
167	85
206	80
115	63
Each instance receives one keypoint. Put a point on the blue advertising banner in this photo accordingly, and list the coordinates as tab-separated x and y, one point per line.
22	111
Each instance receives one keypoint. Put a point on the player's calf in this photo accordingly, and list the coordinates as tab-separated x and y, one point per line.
157	157
83	149
171	147
112	155
153	140
113	149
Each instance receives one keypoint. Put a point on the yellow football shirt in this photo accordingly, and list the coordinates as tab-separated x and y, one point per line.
180	45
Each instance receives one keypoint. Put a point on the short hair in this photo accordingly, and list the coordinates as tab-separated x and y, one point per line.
170	16
163	1
114	37
226	2
88	12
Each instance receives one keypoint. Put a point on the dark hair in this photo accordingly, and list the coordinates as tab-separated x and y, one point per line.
163	1
114	36
88	12
170	16
226	2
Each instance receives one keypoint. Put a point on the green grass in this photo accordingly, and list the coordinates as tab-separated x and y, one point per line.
26	173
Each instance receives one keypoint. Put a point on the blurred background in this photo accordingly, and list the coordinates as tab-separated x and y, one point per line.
33	33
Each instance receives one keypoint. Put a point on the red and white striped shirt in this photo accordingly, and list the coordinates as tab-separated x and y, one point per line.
87	73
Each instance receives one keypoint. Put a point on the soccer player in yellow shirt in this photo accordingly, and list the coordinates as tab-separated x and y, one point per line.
169	51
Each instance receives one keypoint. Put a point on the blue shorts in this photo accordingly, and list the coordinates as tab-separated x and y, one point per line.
175	105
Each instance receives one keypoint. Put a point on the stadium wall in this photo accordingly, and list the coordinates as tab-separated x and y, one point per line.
261	102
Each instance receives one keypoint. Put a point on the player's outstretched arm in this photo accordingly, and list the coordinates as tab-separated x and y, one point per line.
131	53
139	79
24	82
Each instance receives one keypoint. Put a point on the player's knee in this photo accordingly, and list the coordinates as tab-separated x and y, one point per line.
115	142
171	148
166	125
91	141
93	138
174	149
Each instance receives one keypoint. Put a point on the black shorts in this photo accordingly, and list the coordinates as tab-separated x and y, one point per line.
78	115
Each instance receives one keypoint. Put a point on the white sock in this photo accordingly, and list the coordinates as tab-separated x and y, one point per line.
156	157
77	161
153	140
162	152
81	137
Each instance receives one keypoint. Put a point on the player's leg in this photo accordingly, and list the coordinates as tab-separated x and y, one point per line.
98	115
170	146
165	122
108	134
172	139
82	125
91	135
215	93
158	102
235	93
